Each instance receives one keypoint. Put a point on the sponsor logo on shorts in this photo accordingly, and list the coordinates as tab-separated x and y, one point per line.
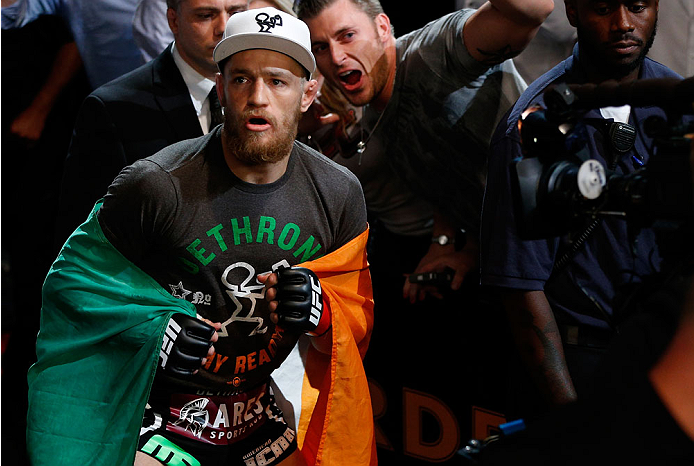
270	451
193	416
218	420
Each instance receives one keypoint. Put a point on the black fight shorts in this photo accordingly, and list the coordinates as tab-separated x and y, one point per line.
216	429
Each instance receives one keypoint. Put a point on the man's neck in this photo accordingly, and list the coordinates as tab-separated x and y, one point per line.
258	174
183	59
381	100
596	77
597	73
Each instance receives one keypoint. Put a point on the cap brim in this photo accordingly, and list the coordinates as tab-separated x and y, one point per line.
248	41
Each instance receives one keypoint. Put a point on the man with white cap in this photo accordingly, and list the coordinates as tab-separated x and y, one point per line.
220	222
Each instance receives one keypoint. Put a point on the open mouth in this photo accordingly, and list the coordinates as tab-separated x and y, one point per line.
350	79
257	123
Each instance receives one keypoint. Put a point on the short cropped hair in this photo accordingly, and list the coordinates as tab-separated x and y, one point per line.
307	9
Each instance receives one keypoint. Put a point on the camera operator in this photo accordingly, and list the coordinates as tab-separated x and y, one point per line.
563	318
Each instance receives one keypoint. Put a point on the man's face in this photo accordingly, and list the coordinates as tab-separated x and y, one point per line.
198	25
615	35
263	94
350	50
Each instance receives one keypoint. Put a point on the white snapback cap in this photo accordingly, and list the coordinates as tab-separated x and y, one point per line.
267	28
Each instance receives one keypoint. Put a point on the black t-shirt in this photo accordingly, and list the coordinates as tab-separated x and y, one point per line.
185	219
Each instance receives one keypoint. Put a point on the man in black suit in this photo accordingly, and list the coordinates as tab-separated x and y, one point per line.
136	115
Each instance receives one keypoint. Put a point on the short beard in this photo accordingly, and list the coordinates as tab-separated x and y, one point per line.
616	71
248	147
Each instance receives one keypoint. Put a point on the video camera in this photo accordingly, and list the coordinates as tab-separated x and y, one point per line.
558	186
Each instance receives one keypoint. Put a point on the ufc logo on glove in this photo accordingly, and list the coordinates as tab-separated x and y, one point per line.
185	344
300	297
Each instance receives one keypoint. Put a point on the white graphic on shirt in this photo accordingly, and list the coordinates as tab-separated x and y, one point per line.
201	298
245	294
177	291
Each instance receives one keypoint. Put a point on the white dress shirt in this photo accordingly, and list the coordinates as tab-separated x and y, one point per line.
198	87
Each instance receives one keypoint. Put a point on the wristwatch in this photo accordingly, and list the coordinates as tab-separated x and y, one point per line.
442	240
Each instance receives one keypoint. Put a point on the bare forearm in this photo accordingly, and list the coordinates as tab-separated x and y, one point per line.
537	337
65	66
501	29
524	12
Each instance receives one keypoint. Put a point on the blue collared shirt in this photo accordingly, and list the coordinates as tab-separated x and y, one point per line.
616	254
102	30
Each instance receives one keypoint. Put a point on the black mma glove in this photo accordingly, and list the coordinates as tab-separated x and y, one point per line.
301	301
186	342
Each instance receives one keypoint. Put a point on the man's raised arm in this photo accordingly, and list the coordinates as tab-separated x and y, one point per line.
501	29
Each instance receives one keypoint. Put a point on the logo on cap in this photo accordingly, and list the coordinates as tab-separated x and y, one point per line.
266	22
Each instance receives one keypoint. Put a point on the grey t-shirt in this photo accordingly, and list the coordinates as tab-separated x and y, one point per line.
185	219
429	147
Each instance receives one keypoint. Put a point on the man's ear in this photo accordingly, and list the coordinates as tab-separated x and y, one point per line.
172	18
571	13
383	27
309	95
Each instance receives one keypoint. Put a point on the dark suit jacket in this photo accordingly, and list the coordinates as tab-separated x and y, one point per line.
127	119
